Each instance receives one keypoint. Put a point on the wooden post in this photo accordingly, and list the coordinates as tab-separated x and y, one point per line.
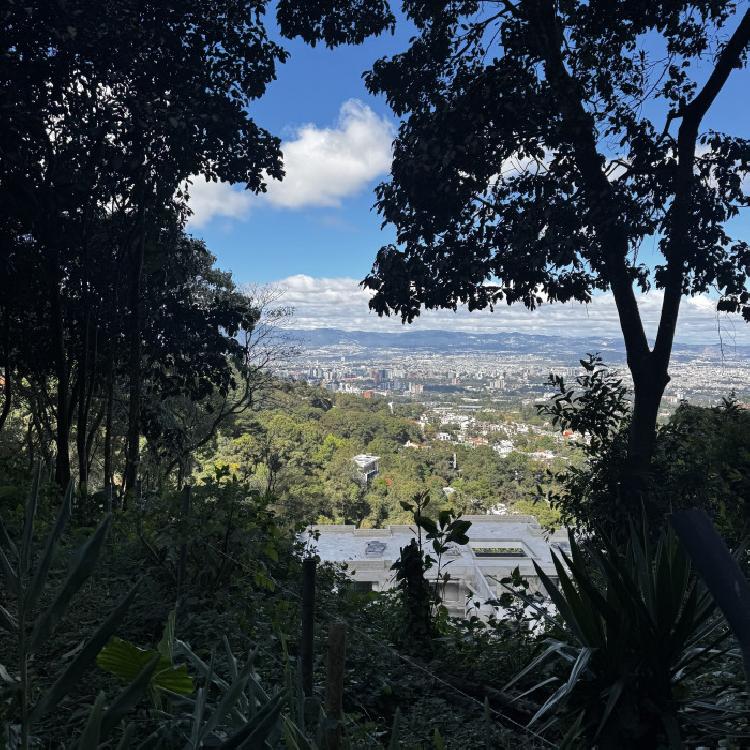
335	683
309	565
182	563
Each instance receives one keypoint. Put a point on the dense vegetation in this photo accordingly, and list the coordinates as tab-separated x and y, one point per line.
297	451
154	477
541	143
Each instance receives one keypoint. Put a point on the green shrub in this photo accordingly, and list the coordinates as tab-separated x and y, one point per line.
35	618
636	625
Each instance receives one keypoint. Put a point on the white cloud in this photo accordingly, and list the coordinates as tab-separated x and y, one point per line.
213	199
323	166
342	303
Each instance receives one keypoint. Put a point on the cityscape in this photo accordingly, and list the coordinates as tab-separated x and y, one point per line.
434	372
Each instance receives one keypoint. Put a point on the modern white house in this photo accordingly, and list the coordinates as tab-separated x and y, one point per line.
367	465
497	545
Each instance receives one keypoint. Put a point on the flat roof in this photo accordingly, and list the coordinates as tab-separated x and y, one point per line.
346	543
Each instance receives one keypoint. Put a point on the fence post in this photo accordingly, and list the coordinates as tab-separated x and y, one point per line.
335	683
182	563
309	565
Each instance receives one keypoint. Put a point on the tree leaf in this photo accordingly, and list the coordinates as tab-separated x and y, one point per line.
128	697
584	656
7	620
256	731
28	521
5	540
198	710
126	742
11	577
203	669
91	734
125	660
166	644
428	525
230	697
42	570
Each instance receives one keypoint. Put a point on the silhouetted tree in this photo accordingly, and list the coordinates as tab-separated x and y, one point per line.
114	106
541	143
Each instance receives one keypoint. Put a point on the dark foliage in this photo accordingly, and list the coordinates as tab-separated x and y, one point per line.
541	143
637	622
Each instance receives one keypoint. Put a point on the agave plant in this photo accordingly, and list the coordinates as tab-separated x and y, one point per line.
26	574
637	623
232	711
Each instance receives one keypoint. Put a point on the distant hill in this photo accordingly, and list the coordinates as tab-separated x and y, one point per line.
460	342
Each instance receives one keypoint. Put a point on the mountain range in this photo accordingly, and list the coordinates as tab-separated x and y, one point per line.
462	342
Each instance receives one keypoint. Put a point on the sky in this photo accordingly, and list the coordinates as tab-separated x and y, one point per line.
315	234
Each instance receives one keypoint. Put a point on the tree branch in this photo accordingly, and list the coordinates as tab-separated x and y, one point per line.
728	59
682	208
602	206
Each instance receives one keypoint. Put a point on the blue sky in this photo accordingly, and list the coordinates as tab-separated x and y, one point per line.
317	234
272	242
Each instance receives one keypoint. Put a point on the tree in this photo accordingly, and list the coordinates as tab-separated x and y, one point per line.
115	106
541	143
207	349
703	459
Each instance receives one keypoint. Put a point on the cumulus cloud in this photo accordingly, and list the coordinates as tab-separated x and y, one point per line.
342	303
216	199
323	166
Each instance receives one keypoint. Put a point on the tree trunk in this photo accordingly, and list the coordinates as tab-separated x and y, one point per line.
30	444
91	439
40	421
82	417
108	433
7	383
62	427
135	375
649	381
85	412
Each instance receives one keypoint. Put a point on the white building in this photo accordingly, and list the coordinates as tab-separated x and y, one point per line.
368	466
497	545
503	448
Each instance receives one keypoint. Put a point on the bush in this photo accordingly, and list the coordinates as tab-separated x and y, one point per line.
636	625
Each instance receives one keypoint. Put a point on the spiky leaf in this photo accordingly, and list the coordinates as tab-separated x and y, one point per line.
7	621
83	659
91	734
83	567
42	570
129	697
28	522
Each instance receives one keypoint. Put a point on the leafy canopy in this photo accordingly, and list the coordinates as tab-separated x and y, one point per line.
539	148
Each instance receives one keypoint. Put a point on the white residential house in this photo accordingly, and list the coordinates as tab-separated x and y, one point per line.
503	448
